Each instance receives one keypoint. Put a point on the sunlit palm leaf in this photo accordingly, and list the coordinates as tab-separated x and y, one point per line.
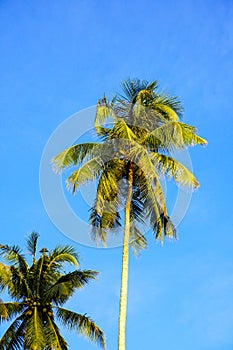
73	155
172	168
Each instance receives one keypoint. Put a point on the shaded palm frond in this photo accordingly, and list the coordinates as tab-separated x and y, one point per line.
31	243
66	285
14	255
132	87
139	156
10	309
34	337
13	338
137	240
54	339
82	324
18	283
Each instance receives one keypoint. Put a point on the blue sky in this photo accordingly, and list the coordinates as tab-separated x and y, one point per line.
58	58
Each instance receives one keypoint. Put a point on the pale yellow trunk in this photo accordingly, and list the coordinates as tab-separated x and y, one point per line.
125	268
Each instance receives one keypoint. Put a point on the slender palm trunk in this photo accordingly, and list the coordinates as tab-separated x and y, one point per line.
125	267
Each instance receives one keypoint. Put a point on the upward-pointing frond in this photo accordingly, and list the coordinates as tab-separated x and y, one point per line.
104	111
133	87
31	242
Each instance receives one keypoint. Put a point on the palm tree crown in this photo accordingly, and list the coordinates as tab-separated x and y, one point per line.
39	291
145	128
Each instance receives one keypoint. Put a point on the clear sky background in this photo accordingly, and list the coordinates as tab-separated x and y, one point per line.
58	57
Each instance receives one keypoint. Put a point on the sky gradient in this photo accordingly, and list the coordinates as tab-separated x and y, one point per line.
60	57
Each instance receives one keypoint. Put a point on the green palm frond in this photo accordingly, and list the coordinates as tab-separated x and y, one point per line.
103	112
10	309
74	155
137	240
132	87
13	338
14	255
37	289
5	280
82	324
54	339
89	171
34	331
172	168
102	132
62	254
174	135
139	156
66	285
122	131
105	211
31	243
170	106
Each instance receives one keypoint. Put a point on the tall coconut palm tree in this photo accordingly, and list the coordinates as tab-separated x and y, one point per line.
39	291
137	130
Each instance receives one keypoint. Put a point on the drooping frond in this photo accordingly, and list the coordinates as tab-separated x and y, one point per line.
140	156
73	155
169	106
87	172
82	324
104	213
16	278
66	285
172	168
137	240
63	254
10	309
174	135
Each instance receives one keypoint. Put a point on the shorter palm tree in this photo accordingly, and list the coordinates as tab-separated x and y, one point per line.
39	291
